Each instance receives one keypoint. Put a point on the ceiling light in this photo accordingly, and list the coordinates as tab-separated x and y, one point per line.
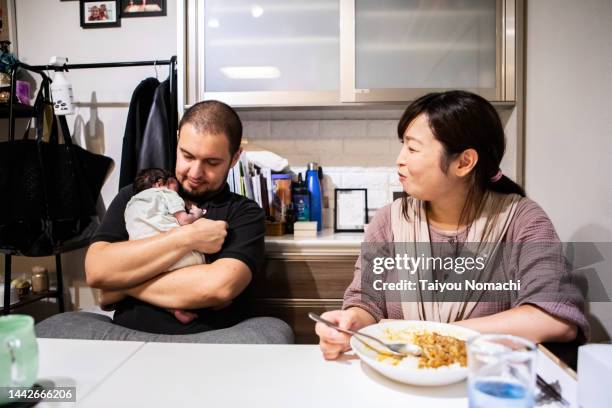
256	11
251	72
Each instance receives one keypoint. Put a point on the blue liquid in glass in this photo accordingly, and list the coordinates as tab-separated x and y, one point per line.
499	393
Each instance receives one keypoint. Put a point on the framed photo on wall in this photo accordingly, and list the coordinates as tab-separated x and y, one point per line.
100	14
143	8
351	209
7	23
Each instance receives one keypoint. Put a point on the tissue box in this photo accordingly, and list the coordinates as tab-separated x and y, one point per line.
303	229
594	373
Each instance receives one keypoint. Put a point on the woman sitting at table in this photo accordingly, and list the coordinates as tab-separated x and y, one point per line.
452	146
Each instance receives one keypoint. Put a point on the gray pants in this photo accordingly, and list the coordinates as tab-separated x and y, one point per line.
93	326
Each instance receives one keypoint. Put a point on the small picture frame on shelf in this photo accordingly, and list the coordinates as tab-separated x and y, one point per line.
143	8
351	209
100	14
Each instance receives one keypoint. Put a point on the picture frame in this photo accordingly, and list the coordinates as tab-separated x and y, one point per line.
8	27
100	13
350	209
143	8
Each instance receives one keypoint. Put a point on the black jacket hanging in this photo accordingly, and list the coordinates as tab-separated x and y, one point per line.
158	146
138	115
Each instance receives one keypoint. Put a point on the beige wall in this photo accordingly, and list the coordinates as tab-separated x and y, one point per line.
568	160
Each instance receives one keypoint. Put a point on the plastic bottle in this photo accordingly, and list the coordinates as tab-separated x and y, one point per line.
301	200
314	187
281	184
61	90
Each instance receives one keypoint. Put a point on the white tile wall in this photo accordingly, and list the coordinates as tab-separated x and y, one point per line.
357	148
353	153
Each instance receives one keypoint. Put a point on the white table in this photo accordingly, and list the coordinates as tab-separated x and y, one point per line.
217	375
83	364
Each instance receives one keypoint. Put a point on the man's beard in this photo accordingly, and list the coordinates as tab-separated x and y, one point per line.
199	197
195	196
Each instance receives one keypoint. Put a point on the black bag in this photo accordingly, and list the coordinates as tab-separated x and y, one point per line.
48	190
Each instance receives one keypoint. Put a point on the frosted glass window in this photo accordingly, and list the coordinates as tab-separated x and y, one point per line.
425	44
272	45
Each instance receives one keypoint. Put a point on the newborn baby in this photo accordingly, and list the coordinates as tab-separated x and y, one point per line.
156	207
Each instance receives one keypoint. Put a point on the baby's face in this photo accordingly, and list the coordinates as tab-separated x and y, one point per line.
172	184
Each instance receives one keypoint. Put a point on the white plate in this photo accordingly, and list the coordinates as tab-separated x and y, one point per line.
407	370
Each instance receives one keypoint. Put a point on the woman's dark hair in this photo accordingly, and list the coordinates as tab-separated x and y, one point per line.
216	118
148	177
461	120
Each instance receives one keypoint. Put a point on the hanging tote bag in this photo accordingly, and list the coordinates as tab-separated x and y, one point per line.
49	189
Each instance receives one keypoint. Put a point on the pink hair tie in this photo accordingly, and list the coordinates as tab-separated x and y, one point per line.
497	176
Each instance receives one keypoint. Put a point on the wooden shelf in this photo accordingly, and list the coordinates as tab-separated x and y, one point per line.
31	299
20	110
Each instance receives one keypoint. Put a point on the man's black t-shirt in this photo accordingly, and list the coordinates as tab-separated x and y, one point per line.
244	241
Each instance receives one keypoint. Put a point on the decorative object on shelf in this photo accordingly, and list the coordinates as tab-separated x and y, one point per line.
40	279
7	61
100	14
143	8
23	287
5	87
22	91
351	209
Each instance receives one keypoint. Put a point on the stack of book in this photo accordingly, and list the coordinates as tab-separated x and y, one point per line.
252	182
305	229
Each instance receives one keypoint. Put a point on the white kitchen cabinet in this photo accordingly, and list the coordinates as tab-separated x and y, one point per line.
342	52
396	50
264	52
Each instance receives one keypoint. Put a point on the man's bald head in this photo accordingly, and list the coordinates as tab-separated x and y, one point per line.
215	118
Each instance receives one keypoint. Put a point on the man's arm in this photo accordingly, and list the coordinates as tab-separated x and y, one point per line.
197	286
122	265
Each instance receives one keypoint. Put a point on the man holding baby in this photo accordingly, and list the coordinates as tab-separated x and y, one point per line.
133	274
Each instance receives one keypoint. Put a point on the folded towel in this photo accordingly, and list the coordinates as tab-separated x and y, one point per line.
267	159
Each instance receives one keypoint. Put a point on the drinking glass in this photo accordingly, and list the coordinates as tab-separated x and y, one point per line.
501	371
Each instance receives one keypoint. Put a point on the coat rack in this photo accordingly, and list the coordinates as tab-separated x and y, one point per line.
40	70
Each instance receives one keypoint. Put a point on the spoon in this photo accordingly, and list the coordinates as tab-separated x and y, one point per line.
395	349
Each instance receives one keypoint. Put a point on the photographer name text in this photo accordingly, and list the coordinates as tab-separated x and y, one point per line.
437	286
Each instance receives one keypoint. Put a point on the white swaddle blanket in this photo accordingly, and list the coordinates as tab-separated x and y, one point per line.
150	212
